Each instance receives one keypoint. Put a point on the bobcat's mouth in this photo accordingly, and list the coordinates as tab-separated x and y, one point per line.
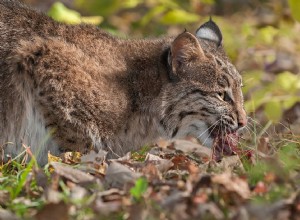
225	145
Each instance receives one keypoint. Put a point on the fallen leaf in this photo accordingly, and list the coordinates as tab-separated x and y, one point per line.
126	157
72	174
162	165
111	194
180	162
52	196
191	147
193	169
108	201
260	188
200	198
264	145
4	197
175	197
178	211
138	211
270	177
7	215
105	208
57	211
208	211
163	143
118	174
151	172
41	178
233	184
93	157
71	157
52	158
230	164
78	192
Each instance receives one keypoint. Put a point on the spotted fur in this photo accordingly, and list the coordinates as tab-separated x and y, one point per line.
79	88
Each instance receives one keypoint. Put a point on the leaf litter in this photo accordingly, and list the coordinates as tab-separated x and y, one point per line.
171	180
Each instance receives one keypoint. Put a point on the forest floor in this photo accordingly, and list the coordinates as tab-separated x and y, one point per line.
171	180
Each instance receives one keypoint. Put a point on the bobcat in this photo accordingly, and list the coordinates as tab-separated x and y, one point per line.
66	87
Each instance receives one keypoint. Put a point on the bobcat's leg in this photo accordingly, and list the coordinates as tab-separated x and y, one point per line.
75	96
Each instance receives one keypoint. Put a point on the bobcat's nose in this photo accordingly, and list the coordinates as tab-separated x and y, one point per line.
242	119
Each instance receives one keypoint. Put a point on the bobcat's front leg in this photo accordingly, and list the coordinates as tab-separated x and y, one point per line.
73	93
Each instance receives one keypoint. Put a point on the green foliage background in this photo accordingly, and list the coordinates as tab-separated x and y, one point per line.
250	43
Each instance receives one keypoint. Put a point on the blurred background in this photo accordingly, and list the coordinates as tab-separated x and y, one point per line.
261	37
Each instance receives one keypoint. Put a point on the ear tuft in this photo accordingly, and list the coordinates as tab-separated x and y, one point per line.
210	31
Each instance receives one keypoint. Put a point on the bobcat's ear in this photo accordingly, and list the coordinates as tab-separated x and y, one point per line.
210	31
184	49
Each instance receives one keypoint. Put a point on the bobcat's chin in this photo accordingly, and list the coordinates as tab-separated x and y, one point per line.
199	130
223	142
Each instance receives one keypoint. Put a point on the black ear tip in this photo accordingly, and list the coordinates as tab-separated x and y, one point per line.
210	31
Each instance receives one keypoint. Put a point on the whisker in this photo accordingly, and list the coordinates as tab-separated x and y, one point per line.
209	134
208	129
222	134
214	146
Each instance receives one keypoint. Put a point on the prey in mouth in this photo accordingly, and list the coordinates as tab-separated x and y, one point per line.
225	145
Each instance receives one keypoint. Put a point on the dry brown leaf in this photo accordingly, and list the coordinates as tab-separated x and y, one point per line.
105	208
233	184
126	157
280	210
72	174
151	172
41	178
175	197
52	196
118	174
52	158
208	211
71	157
57	211
78	192
4	197
162	165
7	215
200	198
193	169
191	147
138	211
260	188
163	143
230	163
111	195
264	145
93	157
180	162
270	177
108	201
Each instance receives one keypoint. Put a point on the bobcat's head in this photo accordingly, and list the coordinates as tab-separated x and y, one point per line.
204	97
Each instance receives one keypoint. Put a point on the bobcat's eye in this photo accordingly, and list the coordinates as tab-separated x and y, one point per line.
221	95
224	96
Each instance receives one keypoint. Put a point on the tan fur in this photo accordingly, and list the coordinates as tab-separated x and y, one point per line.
77	88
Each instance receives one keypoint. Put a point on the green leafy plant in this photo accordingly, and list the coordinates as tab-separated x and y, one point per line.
295	8
61	13
139	188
